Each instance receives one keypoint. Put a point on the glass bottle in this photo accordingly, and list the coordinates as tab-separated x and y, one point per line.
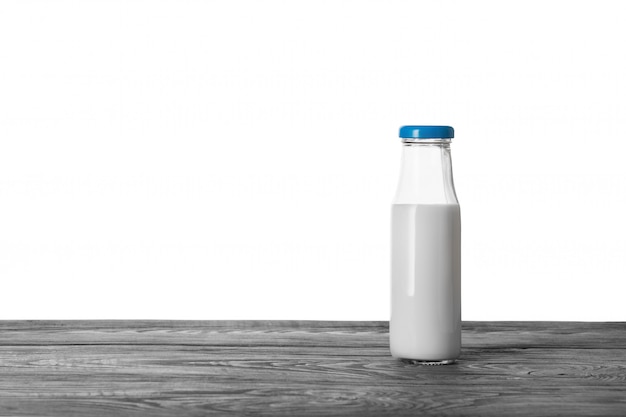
425	324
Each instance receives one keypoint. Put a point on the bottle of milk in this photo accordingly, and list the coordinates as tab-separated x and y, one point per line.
425	324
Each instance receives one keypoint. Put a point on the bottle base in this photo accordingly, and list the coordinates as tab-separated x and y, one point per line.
427	362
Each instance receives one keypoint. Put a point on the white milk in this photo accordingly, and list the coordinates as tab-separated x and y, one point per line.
425	282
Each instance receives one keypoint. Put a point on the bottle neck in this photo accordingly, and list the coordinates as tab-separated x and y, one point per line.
426	174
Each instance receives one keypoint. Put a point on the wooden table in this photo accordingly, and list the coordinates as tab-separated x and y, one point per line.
295	368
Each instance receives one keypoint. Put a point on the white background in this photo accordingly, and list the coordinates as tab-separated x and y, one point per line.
237	159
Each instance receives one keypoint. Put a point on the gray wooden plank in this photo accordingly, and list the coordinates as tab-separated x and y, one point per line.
303	333
300	365
315	401
194	368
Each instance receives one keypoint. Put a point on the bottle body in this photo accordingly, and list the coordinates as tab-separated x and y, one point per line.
425	323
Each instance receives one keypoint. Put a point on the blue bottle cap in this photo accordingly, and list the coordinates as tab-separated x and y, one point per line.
427	132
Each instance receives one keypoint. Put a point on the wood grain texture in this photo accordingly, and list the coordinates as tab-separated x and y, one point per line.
197	368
